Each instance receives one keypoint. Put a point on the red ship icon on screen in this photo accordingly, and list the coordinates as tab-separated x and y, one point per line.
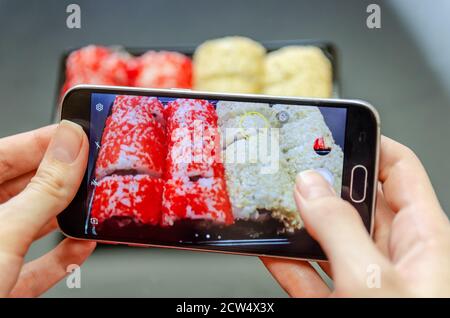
321	147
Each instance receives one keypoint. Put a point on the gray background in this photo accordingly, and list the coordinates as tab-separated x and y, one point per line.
403	69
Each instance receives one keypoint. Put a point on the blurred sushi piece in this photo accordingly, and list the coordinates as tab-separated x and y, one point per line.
134	139
97	65
128	199
202	199
231	64
298	71
163	70
111	66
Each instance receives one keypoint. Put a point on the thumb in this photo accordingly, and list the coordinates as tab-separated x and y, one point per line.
55	184
336	225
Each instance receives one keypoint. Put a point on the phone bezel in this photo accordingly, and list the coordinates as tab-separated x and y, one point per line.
361	117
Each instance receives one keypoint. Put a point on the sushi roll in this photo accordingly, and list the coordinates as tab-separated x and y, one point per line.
134	140
193	139
128	198
306	128
259	186
238	120
195	177
137	108
202	199
229	64
139	150
164	70
298	71
194	153
97	65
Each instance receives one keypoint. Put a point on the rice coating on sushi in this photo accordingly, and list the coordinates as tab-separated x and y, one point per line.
298	135
298	71
254	190
233	55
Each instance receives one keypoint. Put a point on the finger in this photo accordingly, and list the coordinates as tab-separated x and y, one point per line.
47	229
43	273
405	181
337	227
14	186
22	153
297	278
383	223
49	192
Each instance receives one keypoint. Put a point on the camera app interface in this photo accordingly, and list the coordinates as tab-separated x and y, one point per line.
201	172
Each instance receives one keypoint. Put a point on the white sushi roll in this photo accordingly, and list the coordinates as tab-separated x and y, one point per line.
229	64
298	71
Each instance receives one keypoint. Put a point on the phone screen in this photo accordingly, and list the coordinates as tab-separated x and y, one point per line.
214	174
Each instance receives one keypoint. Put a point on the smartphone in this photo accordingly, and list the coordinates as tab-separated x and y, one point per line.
214	172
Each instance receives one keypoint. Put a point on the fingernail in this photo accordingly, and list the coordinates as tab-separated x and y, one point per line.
66	143
311	185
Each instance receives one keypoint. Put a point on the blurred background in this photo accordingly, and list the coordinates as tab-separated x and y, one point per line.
403	69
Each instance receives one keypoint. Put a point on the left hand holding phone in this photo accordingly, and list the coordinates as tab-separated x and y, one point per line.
40	173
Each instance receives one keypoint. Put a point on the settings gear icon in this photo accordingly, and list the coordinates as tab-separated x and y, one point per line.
99	107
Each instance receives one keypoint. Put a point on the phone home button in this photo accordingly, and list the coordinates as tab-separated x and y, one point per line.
358	184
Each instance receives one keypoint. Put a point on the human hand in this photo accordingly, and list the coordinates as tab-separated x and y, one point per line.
411	245
40	172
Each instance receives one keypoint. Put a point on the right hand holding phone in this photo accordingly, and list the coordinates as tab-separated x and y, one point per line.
410	254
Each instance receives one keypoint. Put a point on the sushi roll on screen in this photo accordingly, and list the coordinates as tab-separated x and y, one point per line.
298	136
133	140
252	192
195	180
130	163
129	198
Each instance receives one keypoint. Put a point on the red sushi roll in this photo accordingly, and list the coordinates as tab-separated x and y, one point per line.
138	198
164	70
203	199
139	150
97	65
195	176
134	138
194	152
193	139
137	109
185	112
